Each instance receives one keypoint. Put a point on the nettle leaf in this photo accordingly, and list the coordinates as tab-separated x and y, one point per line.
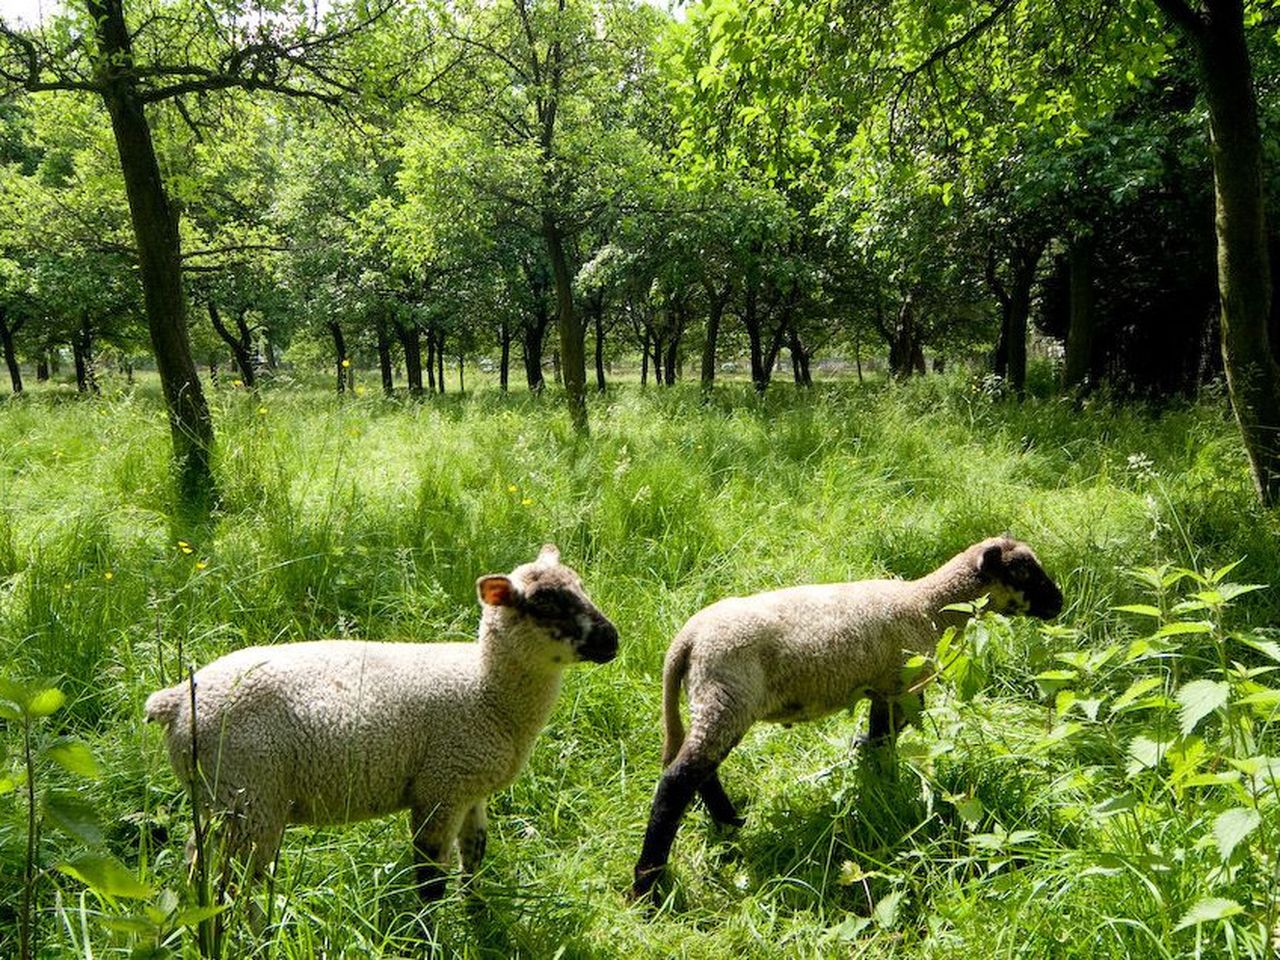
1143	609
45	702
1269	647
105	876
74	817
1208	910
1181	627
1231	827
1135	690
1199	698
74	757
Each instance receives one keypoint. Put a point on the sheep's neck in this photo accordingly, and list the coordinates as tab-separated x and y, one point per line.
521	691
956	581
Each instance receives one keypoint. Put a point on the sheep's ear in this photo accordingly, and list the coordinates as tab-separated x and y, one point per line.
549	554
992	560
496	590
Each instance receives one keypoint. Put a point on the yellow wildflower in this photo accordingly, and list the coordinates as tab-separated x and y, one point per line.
526	501
200	564
346	362
511	488
108	575
262	411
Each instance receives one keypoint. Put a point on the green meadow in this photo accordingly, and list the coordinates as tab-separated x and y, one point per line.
1102	786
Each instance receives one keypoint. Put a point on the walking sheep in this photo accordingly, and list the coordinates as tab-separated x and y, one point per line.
335	731
804	652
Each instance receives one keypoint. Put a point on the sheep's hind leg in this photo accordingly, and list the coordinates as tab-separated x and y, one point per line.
718	803
709	741
434	831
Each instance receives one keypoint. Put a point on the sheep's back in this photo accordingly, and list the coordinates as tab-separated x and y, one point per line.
804	651
339	729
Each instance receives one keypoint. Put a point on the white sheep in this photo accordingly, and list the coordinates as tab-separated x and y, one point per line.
798	654
335	731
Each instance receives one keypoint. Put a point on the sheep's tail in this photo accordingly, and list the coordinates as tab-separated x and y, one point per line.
163	705
673	673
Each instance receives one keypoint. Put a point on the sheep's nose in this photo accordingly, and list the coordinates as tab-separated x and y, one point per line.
1051	606
602	642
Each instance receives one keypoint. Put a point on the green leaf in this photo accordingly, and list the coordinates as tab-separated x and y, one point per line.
1231	827
106	876
1134	691
886	909
1269	647
1207	910
73	816
75	757
1181	627
1145	609
45	702
1199	698
195	915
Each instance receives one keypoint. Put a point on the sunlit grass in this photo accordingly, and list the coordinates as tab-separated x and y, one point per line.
372	518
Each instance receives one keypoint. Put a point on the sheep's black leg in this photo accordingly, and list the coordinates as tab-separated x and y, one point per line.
718	803
887	720
672	799
430	846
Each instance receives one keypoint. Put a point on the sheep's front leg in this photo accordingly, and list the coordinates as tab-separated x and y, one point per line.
473	838
887	719
434	830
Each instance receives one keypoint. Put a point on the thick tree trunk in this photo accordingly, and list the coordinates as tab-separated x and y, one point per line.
669	361
714	316
42	367
532	343
269	349
1015	311
410	338
572	332
7	331
504	364
155	228
1244	277
751	320
241	346
1080	331
340	354
384	359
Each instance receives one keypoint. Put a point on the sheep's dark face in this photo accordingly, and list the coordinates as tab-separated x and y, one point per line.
549	599
1018	583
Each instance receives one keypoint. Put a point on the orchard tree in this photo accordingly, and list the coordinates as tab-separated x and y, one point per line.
171	53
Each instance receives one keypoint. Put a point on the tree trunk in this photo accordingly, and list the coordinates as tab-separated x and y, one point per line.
269	349
155	228
573	361
410	338
600	384
1080	331
241	346
82	353
504	365
533	356
42	367
431	360
644	359
384	359
340	354
440	360
1244	277
716	314
799	360
462	386
751	320
7	331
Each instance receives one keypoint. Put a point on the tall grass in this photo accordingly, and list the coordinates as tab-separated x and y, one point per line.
372	518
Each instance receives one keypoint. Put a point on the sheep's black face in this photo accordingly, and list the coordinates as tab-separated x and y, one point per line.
562	610
549	597
1019	583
